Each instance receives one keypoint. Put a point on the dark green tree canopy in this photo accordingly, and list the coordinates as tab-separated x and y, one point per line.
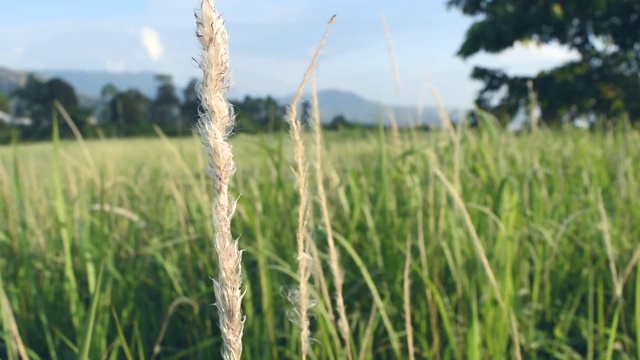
35	98
58	89
191	102
582	25
166	105
166	94
606	34
128	111
254	114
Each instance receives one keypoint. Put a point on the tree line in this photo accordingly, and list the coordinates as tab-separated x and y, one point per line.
129	112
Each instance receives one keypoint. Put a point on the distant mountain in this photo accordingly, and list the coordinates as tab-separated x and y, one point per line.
362	111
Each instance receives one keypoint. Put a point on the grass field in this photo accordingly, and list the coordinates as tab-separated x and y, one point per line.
506	240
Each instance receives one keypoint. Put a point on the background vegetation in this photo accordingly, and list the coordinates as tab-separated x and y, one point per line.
105	250
126	113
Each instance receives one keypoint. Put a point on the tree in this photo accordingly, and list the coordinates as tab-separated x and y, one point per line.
338	122
259	114
191	102
128	111
31	100
305	114
58	89
606	34
165	107
275	115
102	113
35	99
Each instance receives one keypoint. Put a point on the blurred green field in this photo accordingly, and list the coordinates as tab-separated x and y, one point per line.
106	250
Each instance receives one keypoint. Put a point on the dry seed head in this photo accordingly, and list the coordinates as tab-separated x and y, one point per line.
215	126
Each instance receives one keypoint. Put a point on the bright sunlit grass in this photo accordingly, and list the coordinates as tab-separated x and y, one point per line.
556	214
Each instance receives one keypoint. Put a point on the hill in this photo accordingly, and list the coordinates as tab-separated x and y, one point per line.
362	111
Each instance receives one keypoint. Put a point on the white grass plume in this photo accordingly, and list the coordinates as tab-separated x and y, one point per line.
334	257
305	261
215	126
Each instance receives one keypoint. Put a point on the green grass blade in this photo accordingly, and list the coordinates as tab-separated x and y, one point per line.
393	335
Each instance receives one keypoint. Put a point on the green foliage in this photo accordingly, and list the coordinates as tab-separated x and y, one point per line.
338	122
128	112
5	106
259	115
133	219
32	100
165	107
606	34
58	89
35	101
191	102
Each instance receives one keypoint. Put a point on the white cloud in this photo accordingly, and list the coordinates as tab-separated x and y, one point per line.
150	40
528	59
115	65
547	51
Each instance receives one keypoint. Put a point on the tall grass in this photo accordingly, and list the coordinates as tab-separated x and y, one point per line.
554	212
334	258
301	296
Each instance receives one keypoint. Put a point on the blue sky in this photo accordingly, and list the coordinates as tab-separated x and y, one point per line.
271	43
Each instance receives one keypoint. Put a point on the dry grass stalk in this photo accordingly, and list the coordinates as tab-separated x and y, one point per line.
606	235
368	332
392	53
320	282
304	260
395	131
533	106
15	344
422	248
334	258
215	126
76	133
396	78
454	136
442	112
475	239
126	213
165	324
